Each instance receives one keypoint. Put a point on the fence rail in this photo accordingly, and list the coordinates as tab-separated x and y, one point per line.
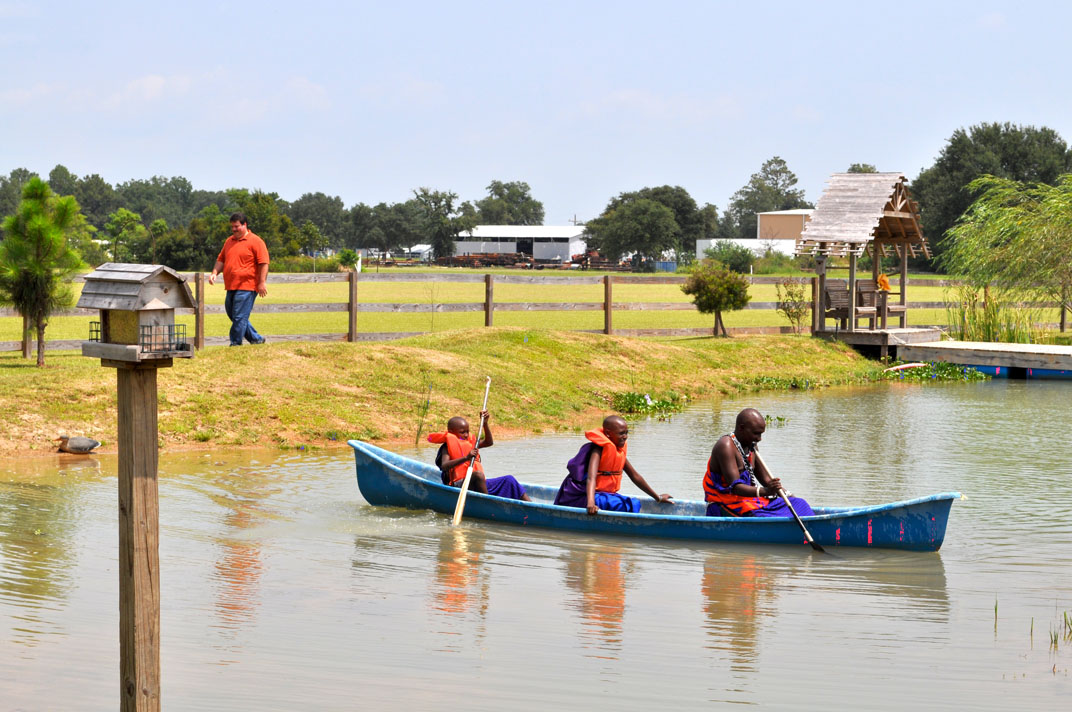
353	307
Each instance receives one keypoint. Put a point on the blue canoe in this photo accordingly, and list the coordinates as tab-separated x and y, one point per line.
388	479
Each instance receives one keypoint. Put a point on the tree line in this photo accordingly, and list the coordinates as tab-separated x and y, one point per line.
166	221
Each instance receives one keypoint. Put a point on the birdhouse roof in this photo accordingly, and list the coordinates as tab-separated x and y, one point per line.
133	287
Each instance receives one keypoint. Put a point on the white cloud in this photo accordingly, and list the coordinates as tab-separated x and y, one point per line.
147	89
306	93
27	96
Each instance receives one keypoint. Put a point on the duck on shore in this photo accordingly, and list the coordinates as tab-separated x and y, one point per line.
77	445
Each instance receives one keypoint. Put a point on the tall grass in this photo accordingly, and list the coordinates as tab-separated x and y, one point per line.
988	317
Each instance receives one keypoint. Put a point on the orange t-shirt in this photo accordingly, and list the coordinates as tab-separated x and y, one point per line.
240	257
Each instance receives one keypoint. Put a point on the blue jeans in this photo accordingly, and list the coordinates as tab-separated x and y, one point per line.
238	304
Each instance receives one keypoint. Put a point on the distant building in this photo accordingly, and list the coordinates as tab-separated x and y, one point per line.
777	230
782	224
541	242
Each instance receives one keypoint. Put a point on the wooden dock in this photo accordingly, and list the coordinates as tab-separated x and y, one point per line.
885	340
979	353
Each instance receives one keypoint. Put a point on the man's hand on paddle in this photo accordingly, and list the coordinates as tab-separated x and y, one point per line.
770	488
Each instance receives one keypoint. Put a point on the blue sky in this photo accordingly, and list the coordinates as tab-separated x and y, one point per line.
582	100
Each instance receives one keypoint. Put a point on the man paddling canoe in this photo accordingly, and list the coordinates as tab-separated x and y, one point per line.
595	472
728	485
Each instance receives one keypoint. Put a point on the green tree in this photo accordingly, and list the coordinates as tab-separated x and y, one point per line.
325	212
348	258
442	220
689	221
1019	153
62	181
11	190
128	236
768	190
644	227
313	241
36	264
97	198
82	238
862	168
715	289
1017	237
508	204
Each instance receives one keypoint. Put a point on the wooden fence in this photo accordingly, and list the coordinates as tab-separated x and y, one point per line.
353	307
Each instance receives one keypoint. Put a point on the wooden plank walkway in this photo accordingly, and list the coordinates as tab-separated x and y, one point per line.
978	353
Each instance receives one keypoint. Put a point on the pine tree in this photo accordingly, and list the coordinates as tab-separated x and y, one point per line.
36	263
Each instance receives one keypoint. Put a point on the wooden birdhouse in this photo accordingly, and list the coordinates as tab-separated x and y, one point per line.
137	313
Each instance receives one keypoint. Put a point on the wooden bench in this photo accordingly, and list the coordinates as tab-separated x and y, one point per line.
870	297
836	295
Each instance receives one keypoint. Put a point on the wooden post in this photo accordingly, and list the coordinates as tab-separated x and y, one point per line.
27	340
902	318
199	312
608	305
351	332
489	299
815	305
139	555
1064	311
820	266
852	291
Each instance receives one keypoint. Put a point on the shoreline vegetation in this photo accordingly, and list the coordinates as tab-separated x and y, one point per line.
296	395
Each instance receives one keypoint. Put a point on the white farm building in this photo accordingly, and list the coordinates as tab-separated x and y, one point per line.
541	242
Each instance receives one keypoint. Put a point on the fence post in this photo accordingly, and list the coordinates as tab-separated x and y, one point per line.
608	305
814	305
199	312
489	299
26	341
351	334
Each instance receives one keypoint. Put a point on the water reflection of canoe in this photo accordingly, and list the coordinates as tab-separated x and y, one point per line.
386	478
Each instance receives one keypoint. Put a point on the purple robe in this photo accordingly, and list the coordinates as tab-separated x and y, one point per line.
574	489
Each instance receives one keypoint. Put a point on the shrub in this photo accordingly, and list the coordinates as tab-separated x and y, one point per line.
715	289
734	256
794	301
302	263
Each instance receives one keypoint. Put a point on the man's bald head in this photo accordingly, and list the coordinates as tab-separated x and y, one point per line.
457	424
614	421
749	416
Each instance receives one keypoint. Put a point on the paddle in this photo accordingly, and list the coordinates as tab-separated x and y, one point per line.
469	470
781	493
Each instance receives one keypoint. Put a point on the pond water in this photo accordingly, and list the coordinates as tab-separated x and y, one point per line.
282	589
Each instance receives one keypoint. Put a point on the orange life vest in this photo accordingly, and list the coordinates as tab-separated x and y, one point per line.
456	447
611	462
715	491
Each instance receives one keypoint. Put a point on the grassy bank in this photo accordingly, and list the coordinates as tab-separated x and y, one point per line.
319	394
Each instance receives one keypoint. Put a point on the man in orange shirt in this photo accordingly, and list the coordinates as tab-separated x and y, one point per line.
244	263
